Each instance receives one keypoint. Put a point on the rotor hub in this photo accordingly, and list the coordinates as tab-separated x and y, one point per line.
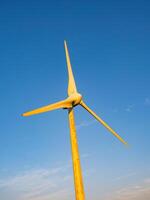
75	98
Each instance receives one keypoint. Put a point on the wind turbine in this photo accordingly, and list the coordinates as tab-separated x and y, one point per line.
74	98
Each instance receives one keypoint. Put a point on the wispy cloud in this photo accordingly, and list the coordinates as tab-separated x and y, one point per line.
125	176
136	191
85	124
147	101
41	184
129	108
85	155
37	184
115	110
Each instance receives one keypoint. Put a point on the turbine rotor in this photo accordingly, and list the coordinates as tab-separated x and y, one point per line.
74	98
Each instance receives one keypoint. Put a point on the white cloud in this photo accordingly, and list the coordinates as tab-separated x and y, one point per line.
136	191
41	184
129	108
115	110
125	176
37	184
85	124
147	101
85	155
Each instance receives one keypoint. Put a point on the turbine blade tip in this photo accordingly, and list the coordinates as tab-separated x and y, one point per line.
65	42
127	145
24	115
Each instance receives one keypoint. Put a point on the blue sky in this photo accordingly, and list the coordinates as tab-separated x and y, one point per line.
109	45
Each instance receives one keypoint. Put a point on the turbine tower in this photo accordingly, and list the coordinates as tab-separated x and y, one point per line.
74	98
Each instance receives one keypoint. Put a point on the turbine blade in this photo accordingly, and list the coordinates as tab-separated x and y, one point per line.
102	122
60	104
71	81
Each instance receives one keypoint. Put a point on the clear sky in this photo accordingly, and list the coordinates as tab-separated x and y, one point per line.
109	45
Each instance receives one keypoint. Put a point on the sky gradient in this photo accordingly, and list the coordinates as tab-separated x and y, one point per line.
109	47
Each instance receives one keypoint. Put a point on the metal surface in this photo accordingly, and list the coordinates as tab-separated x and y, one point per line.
78	183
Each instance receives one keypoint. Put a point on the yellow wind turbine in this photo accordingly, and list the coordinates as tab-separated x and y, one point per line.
74	98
